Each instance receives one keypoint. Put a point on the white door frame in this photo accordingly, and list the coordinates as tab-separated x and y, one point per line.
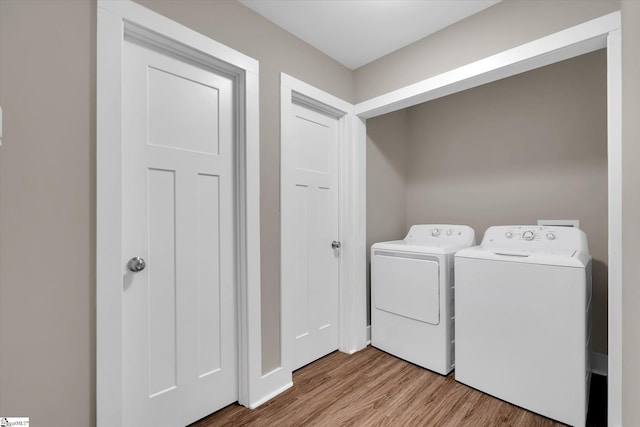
592	35
118	20
352	282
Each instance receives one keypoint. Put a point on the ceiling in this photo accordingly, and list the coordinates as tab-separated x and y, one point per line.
356	32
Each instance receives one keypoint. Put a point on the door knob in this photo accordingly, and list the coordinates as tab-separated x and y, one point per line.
136	264
335	244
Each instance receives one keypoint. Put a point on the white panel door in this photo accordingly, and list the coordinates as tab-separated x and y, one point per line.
310	262
179	313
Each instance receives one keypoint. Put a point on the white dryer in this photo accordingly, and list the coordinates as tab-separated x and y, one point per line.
412	294
523	319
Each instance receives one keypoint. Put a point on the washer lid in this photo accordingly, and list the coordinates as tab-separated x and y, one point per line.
566	253
562	257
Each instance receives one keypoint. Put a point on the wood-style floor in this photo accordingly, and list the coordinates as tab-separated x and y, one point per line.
372	388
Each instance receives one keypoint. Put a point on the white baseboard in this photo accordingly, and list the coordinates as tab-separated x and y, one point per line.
368	335
270	396
599	363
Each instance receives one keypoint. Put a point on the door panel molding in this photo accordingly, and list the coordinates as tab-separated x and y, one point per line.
118	20
352	288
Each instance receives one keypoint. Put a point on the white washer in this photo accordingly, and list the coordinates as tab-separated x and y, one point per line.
523	319
412	294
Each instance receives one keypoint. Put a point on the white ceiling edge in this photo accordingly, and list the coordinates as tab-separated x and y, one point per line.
357	32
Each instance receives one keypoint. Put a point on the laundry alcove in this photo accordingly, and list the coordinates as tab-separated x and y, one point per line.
528	147
592	36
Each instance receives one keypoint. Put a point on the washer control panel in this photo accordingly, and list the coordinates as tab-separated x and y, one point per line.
534	237
531	234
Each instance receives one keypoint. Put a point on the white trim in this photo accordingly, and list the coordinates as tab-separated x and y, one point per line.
321	99
108	217
117	19
354	215
556	47
614	154
286	304
580	39
271	395
352	287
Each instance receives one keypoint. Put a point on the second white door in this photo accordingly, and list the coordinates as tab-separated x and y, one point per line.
311	253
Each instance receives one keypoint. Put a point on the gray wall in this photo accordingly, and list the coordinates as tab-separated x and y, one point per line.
630	211
47	211
529	147
387	161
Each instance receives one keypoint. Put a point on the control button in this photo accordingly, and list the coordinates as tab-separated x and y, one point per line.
435	232
551	236
528	235
508	234
449	232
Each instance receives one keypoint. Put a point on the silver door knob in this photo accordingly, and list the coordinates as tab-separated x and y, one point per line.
335	244
136	264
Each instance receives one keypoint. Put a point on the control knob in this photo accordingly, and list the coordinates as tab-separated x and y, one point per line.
435	232
528	235
551	236
508	234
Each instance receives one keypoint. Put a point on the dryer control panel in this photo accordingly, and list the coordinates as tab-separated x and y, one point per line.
535	238
439	233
